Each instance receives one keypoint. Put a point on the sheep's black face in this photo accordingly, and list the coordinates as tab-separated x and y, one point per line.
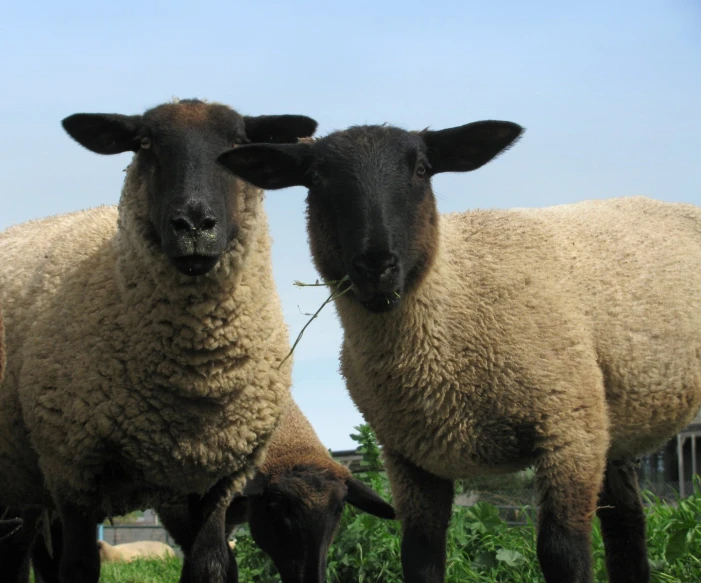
192	202
294	521
294	518
371	211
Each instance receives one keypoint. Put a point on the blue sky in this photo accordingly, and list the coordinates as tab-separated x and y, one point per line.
609	91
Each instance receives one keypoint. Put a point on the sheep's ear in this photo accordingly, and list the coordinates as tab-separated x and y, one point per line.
366	499
470	146
279	129
270	166
104	133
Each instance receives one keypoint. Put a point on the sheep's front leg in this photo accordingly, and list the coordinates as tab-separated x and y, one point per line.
623	524
569	473
423	502
210	559
15	548
80	560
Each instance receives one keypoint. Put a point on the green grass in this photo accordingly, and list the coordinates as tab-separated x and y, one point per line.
142	571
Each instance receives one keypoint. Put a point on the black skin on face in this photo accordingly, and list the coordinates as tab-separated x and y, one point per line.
295	516
192	202
371	211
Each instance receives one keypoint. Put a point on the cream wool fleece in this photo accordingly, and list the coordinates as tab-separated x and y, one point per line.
130	381
571	333
127	552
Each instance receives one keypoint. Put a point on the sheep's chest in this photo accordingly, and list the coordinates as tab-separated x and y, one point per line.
453	422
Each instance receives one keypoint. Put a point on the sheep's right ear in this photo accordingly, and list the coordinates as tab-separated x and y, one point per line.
270	166
104	133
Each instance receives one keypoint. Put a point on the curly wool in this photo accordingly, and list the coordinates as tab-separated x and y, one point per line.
570	333
2	347
130	381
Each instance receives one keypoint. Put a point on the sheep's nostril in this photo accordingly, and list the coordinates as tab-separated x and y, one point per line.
207	224
373	267
181	224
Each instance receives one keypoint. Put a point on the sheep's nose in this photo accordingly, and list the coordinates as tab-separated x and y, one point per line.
372	266
193	222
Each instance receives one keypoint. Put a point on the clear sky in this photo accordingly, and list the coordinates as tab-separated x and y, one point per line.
609	91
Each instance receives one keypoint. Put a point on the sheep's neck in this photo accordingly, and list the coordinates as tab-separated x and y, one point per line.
198	326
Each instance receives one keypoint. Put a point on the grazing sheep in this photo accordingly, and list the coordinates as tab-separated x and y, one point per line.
487	341
293	504
144	342
128	552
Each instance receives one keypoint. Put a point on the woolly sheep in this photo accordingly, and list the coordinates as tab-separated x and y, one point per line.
2	347
483	342
144	342
9	526
293	505
128	552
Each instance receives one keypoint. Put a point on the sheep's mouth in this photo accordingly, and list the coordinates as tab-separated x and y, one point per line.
381	302
194	265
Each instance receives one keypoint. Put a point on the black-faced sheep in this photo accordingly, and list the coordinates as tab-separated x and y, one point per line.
144	342
293	504
566	337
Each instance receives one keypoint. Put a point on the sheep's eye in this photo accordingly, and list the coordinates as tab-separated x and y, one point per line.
420	170
145	143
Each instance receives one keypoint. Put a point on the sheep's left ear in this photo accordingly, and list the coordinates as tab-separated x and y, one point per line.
279	129
468	147
104	133
366	499
270	166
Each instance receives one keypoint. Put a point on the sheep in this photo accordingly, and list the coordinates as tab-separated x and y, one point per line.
128	552
145	341
9	526
2	347
293	504
568	337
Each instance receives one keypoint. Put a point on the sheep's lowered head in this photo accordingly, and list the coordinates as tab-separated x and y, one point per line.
191	208
294	516
371	210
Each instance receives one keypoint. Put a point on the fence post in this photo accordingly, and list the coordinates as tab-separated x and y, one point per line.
100	531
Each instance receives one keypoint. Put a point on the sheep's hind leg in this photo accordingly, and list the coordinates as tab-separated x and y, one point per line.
623	524
569	474
210	559
423	502
80	559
